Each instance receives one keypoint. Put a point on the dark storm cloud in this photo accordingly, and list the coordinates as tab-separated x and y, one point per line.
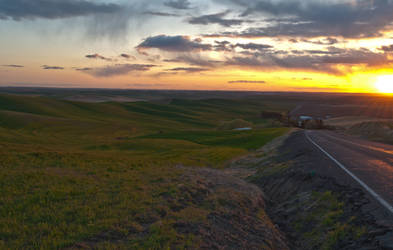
98	56
52	9
118	69
245	81
351	19
101	19
46	67
178	4
216	19
13	66
173	44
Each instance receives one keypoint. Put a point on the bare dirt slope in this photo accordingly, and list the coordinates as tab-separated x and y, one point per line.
313	203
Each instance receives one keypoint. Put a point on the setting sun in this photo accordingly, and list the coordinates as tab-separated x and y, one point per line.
384	84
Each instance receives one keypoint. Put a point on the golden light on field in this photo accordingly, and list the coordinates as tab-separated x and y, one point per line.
384	84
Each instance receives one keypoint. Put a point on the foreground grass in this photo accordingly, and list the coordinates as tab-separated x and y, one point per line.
72	173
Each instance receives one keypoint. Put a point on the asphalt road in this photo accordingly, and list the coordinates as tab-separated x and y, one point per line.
366	162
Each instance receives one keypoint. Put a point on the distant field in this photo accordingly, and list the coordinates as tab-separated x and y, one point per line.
346	122
123	95
73	172
370	128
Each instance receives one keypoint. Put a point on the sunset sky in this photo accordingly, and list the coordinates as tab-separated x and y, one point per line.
262	45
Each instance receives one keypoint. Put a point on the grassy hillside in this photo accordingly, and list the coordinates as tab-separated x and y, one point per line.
72	173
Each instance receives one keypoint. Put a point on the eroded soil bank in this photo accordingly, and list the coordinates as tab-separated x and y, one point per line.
314	205
208	209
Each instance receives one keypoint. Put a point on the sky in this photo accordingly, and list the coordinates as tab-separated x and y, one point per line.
256	45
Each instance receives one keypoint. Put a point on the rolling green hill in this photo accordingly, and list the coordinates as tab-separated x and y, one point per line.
73	172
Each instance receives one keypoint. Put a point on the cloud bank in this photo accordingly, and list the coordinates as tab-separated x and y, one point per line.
216	19
98	56
46	67
178	4
53	9
13	66
116	70
350	19
173	44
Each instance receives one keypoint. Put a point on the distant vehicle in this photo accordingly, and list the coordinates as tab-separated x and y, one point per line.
303	119
307	122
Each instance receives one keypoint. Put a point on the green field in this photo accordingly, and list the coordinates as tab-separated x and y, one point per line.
101	173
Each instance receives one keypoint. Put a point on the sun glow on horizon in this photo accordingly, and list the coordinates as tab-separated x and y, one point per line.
384	84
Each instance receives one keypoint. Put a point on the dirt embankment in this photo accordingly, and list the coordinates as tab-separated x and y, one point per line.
209	209
312	209
380	130
236	213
